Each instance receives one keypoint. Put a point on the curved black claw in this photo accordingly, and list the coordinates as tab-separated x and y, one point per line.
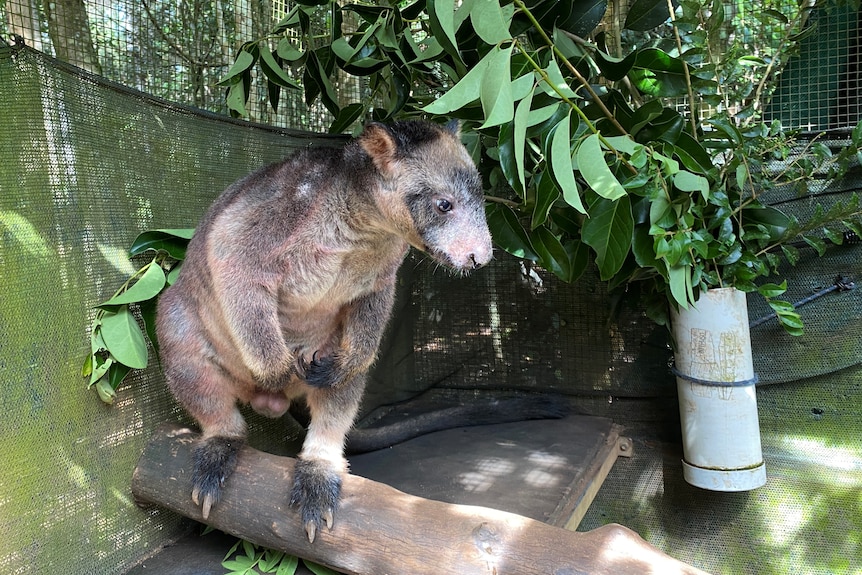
321	372
316	491
214	461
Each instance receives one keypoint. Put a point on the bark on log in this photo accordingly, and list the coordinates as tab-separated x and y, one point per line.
379	530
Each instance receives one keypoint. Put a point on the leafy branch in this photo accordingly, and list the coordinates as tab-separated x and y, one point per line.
117	344
252	560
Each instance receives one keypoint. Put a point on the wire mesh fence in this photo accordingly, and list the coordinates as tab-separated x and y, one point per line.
177	50
180	49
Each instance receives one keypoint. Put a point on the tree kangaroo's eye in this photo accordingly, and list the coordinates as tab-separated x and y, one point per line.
443	205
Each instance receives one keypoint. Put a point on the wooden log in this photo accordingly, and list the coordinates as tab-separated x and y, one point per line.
379	530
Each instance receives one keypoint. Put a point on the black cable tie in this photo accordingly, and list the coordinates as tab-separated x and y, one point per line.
707	382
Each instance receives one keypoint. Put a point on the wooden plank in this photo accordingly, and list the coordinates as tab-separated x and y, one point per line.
380	530
533	468
572	509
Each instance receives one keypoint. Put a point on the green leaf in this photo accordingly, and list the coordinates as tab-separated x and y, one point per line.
579	256
124	339
726	128
551	253
770	290
546	195
558	84
661	213
236	99
567	46
687	182
773	220
98	364
774	14
318	569
834	236
543	114
286	50
645	15
244	61
292	20
116	374
608	231
561	165
508	232
172	241
789	319
469	87
148	314
101	366
522	115
106	393
678	279
666	128
249	549
288	565
522	87
642	247
316	74
490	21
692	154
506	156
270	559
591	164
583	16
791	253
658	74
87	368
273	70
148	286
496	90
615	69
818	244
441	19
856	134
238	565
174	273
624	144
348	115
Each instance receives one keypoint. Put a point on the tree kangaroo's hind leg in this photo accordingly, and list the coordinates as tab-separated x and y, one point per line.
321	463
210	400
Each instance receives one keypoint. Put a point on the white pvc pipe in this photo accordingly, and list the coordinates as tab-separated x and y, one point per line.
717	400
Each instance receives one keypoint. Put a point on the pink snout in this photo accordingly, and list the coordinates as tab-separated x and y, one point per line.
472	251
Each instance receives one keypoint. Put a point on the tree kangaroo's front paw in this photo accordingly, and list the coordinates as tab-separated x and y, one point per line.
214	461
321	372
316	490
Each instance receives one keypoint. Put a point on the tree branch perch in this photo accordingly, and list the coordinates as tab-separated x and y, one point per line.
379	530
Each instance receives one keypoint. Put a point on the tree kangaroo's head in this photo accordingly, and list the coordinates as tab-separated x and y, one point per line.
433	192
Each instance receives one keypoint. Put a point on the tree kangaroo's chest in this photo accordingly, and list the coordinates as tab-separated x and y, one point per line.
317	292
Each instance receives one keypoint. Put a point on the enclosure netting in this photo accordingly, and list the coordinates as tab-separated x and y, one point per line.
86	165
174	50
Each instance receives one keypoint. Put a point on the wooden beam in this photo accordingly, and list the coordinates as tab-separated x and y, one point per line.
379	530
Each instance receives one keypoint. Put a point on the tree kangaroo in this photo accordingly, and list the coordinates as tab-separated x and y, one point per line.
288	284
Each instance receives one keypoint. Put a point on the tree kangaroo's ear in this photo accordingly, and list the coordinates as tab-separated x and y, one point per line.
379	143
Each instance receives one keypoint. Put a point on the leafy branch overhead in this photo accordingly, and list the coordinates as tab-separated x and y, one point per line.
638	146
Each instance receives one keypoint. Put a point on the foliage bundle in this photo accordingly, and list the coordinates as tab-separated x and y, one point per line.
632	140
117	344
253	560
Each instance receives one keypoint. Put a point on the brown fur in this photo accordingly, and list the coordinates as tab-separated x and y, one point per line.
288	284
